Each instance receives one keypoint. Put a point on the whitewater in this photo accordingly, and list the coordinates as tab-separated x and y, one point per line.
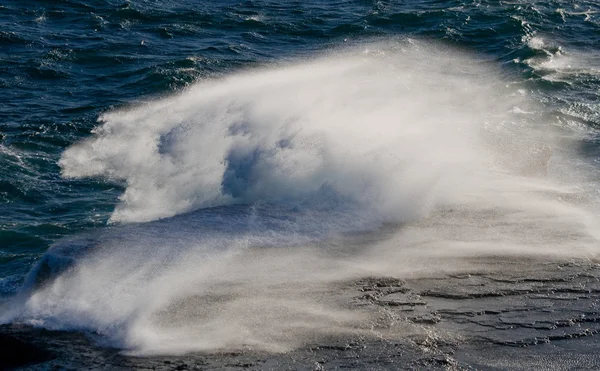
249	197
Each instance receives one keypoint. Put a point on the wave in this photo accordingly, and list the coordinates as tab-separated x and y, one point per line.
389	129
249	198
555	64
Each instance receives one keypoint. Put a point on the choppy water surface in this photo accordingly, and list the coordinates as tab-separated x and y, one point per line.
152	154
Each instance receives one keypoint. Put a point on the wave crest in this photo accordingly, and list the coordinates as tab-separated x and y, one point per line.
390	128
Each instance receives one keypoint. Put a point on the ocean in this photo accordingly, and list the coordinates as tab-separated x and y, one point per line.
190	176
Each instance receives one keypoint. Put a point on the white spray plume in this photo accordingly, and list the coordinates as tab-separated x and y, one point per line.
389	129
422	138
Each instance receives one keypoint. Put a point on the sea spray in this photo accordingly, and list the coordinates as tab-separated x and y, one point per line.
386	128
255	193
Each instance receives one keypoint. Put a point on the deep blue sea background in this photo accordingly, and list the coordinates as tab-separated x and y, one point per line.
65	62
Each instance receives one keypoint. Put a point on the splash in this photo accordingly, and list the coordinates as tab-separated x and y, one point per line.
390	129
261	192
555	64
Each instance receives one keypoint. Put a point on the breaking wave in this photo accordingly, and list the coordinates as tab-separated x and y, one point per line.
252	188
388	129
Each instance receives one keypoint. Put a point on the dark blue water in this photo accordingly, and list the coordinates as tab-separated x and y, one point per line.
65	63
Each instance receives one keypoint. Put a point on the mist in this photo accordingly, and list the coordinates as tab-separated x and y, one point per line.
251	199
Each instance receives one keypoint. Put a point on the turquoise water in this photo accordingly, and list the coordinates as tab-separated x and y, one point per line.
101	71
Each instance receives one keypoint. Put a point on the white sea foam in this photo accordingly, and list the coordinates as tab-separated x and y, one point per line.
559	65
387	129
423	139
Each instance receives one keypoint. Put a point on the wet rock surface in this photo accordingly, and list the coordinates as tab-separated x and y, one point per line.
507	314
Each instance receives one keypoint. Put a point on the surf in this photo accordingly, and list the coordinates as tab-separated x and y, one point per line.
248	197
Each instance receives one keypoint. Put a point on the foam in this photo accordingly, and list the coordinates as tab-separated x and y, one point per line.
558	65
262	191
380	127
